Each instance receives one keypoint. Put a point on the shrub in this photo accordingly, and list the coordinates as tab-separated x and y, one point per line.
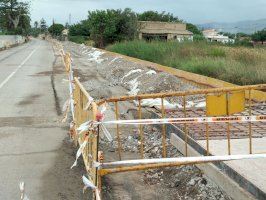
78	39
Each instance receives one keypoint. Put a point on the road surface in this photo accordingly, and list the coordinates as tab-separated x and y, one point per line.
33	142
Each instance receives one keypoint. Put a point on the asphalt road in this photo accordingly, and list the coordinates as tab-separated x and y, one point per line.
33	143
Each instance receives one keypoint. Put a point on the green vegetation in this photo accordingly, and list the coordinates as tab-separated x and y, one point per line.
56	29
239	65
259	36
112	25
108	26
14	17
105	27
155	16
78	39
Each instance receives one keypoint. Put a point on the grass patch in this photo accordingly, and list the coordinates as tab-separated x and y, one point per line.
78	39
238	65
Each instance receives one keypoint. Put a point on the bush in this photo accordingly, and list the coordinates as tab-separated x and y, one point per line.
78	39
112	25
56	29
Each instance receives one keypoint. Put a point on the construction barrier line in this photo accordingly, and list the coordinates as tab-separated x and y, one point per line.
179	160
194	120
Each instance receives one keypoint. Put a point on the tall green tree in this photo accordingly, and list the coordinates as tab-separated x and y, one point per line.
194	29
80	29
108	26
156	16
56	29
259	36
36	24
43	26
14	15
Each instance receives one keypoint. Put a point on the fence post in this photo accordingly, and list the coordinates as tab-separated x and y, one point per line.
117	130
249	124
186	133
141	132
163	130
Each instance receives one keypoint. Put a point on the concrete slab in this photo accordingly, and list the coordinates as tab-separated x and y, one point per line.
252	170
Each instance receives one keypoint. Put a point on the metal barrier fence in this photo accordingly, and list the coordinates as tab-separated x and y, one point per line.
219	102
83	109
232	101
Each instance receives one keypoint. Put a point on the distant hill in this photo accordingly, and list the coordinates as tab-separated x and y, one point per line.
249	26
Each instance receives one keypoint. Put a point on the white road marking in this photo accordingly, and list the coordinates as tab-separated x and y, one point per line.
15	71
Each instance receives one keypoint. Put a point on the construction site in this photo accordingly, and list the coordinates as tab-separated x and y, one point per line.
147	131
132	100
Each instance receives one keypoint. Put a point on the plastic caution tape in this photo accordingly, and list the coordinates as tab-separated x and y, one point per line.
79	152
23	196
193	120
89	184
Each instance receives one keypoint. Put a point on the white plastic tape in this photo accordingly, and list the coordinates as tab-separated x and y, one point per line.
66	105
193	120
106	133
87	126
22	191
91	125
90	100
79	152
89	184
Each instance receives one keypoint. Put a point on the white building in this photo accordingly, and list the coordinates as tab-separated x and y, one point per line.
213	36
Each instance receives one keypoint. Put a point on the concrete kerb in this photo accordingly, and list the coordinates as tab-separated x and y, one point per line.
227	178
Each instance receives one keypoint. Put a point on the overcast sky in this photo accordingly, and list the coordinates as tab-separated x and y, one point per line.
195	11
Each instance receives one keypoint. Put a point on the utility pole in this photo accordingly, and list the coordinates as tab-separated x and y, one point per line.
69	19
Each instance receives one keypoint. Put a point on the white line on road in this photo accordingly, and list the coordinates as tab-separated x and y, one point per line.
15	71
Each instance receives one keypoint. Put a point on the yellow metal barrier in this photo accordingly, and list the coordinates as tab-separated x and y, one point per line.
219	101
83	110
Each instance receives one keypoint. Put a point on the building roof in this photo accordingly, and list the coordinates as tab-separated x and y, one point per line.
155	27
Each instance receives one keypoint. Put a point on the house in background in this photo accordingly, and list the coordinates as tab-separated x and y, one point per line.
163	30
213	36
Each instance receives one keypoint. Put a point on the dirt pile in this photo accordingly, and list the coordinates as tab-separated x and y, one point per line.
136	78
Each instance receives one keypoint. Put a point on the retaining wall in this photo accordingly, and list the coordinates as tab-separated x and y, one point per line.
7	41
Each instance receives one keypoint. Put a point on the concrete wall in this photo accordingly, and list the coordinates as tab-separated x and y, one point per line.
7	41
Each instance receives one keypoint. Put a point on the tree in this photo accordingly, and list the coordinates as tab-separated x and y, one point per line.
43	26
80	29
230	35
155	16
112	25
14	14
259	36
36	24
194	29
56	29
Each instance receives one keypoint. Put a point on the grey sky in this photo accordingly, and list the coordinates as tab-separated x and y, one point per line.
195	11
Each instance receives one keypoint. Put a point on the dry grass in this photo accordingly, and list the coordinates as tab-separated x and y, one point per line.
239	65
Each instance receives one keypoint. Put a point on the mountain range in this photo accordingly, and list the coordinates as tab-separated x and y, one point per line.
248	26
